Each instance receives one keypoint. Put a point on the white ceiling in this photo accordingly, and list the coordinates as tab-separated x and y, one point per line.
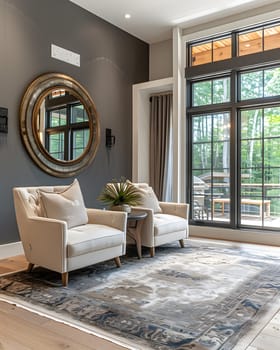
153	20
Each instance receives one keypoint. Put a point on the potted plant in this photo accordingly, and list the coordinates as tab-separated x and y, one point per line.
120	195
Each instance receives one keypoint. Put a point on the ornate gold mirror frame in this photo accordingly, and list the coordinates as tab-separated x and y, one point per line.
30	110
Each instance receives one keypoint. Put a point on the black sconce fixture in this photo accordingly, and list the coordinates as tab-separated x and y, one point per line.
110	139
4	120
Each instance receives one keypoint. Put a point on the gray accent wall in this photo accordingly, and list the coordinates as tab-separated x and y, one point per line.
111	62
161	60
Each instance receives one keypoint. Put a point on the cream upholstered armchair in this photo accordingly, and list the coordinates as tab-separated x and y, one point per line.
60	234
166	221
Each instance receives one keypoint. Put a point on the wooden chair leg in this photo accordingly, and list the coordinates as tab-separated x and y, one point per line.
64	277
152	252
181	241
30	267
118	261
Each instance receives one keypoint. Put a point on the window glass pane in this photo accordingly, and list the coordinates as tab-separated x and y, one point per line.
272	180
78	114
221	127
201	54
201	155
272	82
221	90
57	117
274	211
202	93
201	196
251	210
211	91
272	122
210	167
260	180
250	42
220	154
251	124
221	49
272	38
202	128
251	85
80	141
251	155
56	145
271	152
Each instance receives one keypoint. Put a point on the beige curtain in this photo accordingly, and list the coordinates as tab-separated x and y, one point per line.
161	144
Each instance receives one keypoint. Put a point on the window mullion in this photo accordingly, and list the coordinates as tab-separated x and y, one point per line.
263	140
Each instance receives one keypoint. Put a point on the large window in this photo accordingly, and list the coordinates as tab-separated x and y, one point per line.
233	119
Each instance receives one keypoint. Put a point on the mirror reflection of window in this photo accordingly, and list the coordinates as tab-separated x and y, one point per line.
63	126
56	145
57	93
80	141
57	117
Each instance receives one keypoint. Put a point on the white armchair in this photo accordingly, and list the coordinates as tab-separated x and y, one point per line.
64	245
166	221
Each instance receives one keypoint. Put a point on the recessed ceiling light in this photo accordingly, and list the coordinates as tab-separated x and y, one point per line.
127	16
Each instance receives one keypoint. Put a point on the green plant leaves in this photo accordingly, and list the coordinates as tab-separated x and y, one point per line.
120	192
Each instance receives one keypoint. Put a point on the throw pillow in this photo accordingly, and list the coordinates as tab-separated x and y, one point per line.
149	199
67	205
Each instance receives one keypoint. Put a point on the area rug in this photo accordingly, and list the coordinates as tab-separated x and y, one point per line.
204	296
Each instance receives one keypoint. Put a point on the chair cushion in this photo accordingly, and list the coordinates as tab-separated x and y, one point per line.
67	205
92	237
165	223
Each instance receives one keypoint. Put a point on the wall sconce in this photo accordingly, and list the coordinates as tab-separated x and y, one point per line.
4	120
110	139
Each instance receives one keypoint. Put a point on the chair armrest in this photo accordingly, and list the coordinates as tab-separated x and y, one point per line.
44	241
116	219
178	209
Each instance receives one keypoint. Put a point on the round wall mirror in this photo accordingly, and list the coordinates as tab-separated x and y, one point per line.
59	124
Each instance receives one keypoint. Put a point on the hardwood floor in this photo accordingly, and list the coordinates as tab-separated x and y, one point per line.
13	264
24	330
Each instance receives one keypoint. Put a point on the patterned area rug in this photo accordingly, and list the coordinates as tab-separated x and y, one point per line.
204	296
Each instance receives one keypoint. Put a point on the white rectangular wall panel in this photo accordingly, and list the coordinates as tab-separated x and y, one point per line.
65	55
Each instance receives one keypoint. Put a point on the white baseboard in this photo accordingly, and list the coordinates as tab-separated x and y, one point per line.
10	249
245	236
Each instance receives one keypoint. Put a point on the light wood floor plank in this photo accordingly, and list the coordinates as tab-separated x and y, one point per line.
21	329
13	264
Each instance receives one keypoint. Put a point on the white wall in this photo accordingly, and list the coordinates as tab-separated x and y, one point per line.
141	125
